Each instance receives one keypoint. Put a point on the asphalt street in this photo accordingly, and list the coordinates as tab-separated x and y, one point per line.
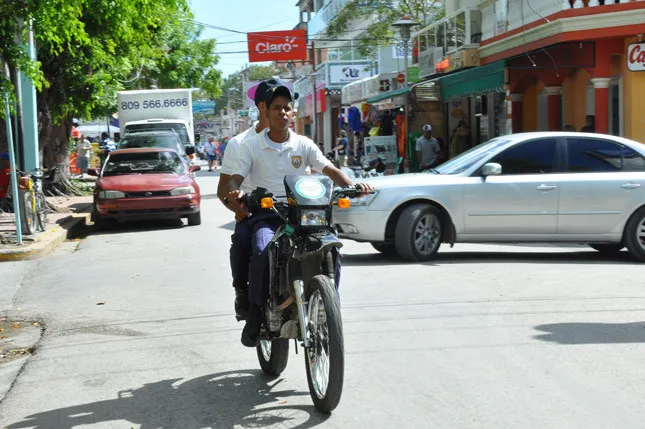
139	333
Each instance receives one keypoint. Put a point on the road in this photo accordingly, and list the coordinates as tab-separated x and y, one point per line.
140	334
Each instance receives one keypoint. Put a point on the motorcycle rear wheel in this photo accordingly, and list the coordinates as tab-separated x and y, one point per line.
325	356
273	355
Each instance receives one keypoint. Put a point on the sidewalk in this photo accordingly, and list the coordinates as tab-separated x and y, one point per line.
70	213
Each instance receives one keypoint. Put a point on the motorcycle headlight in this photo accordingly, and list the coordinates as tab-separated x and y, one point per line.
364	200
111	195
313	218
185	190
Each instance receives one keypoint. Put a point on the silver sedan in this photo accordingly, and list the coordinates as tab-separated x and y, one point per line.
545	187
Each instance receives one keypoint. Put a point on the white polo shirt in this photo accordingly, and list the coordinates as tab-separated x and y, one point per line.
232	151
268	162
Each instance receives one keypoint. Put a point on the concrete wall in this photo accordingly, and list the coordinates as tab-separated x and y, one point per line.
575	93
633	90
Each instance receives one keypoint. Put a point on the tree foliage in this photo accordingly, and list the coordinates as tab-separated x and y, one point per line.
232	85
381	14
90	49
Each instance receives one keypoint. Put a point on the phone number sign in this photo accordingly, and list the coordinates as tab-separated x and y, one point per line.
154	104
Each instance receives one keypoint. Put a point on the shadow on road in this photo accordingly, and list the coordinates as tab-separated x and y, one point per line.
222	400
487	257
592	333
114	227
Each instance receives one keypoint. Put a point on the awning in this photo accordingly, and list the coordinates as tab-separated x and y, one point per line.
360	90
474	81
389	94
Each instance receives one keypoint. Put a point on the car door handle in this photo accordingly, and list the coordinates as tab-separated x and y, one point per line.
630	186
546	187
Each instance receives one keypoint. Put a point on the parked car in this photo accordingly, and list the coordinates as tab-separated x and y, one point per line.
553	187
157	138
146	183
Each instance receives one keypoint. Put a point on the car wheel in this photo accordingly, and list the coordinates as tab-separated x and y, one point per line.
195	219
608	249
418	233
388	249
101	222
635	235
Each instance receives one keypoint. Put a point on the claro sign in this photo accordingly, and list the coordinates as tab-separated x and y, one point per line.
636	57
277	46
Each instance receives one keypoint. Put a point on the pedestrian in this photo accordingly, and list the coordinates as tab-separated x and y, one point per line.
459	141
107	146
427	149
590	125
569	128
83	152
211	153
342	146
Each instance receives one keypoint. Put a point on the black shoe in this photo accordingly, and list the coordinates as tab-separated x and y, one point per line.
251	331
241	303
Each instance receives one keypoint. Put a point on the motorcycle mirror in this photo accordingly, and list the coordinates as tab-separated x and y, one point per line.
344	203
266	203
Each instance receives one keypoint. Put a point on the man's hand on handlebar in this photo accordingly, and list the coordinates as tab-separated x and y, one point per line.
234	202
364	188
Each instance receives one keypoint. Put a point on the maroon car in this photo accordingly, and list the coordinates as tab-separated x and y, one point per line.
146	183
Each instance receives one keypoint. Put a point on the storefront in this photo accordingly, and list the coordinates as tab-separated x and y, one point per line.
475	105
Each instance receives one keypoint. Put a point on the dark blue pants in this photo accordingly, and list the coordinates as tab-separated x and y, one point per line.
240	253
249	255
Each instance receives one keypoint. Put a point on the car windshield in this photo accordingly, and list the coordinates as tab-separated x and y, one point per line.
471	157
135	141
179	128
143	163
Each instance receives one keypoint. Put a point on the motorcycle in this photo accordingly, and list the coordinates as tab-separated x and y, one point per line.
303	302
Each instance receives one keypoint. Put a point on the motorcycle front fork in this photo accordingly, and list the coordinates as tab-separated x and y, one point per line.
303	318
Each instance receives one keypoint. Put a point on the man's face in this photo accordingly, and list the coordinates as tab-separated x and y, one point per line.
427	134
280	112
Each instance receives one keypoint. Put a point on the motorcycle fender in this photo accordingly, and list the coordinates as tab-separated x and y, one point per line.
317	244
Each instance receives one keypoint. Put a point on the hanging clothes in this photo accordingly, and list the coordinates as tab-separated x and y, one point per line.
387	125
400	135
342	117
354	119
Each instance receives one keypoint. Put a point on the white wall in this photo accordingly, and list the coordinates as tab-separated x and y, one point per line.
453	5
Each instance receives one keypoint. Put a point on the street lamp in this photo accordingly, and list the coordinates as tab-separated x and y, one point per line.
404	25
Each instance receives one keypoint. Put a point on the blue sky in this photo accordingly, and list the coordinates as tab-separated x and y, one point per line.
242	15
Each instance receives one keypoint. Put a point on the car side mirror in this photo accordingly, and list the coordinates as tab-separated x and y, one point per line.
194	168
93	172
190	150
491	169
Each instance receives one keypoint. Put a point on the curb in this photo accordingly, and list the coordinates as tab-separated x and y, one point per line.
48	240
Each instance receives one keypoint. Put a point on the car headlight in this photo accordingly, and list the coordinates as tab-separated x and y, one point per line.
364	200
185	190
111	195
313	218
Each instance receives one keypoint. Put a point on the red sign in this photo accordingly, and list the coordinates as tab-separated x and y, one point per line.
636	57
277	46
400	78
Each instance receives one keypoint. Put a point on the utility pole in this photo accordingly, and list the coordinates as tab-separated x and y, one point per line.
12	165
313	94
30	152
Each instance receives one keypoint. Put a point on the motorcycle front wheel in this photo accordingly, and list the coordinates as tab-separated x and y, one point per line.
273	355
325	356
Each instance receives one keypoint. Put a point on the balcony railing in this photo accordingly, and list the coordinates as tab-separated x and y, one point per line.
505	15
456	31
319	22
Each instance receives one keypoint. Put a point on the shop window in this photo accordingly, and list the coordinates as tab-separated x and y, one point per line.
460	29
615	107
533	157
451	40
441	36
592	155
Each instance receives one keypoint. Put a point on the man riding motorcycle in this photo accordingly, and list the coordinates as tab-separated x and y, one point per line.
268	157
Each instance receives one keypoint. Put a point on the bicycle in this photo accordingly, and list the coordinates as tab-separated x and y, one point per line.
32	203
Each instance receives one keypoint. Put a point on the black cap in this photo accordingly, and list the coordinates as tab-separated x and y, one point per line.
274	88
261	90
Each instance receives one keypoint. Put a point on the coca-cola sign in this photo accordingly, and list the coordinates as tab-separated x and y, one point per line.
636	57
277	45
